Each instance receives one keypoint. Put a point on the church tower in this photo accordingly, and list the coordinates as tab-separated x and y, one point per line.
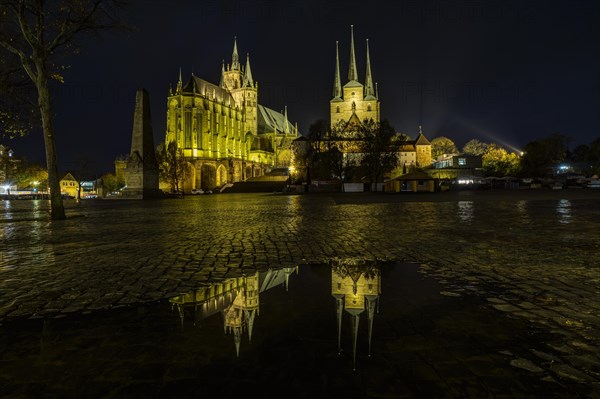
353	101
244	90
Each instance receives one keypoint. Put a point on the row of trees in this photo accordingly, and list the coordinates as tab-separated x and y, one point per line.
539	158
363	152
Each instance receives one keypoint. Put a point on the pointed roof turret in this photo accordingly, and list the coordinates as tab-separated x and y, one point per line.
179	83
235	59
369	89
222	83
248	74
337	83
286	127
352	72
421	139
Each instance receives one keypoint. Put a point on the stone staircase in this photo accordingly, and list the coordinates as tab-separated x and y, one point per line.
268	183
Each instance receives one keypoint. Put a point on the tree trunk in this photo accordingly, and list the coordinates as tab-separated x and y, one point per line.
57	210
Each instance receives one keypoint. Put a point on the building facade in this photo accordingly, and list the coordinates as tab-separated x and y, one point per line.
226	135
414	154
353	102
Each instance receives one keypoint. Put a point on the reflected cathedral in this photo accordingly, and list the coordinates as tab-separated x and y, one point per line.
355	286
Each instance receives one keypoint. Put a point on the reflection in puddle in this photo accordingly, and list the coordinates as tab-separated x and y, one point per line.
355	285
237	299
465	211
288	328
563	209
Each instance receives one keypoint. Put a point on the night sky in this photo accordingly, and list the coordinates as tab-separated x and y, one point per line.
501	71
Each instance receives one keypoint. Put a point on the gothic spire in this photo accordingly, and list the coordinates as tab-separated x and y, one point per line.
235	59
286	128
222	84
248	73
179	83
352	72
369	89
337	83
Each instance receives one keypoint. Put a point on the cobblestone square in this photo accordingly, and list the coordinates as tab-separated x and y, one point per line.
531	255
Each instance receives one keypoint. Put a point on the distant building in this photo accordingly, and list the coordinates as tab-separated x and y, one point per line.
225	133
461	166
415	181
9	167
69	186
414	154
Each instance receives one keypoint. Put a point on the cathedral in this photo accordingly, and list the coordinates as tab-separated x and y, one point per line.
226	135
353	103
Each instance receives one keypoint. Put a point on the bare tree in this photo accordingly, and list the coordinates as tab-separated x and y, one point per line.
380	147
36	32
172	165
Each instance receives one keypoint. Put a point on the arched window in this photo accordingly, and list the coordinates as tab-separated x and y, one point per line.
337	109
369	108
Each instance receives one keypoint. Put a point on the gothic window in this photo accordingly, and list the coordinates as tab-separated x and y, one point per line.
188	129
353	93
337	109
369	108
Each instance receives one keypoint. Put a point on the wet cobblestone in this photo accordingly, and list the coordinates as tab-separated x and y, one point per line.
533	256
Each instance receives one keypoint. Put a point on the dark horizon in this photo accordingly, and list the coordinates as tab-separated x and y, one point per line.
505	72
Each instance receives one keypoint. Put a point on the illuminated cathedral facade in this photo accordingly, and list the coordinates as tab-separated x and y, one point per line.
354	103
225	134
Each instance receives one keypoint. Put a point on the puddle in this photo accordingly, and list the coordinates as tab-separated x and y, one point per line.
349	329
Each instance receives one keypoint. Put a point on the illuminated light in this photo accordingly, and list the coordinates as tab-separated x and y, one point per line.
465	181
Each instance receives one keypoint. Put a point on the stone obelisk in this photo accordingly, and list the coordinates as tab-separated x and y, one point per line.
141	172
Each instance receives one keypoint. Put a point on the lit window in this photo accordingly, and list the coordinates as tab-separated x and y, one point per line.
462	161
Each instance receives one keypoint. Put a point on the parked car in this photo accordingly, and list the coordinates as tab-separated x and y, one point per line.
197	191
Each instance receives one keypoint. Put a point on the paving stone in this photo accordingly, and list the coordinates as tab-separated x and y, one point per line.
526	364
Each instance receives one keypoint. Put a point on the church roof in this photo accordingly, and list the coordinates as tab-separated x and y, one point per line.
415	175
270	120
209	90
353	83
422	140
